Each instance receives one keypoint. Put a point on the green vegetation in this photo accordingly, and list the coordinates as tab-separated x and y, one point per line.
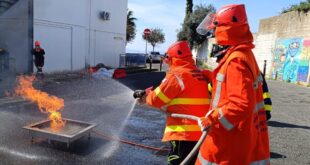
131	27
203	65
156	37
301	7
191	21
189	8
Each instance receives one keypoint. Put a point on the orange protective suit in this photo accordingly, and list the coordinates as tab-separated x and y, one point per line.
240	135
184	90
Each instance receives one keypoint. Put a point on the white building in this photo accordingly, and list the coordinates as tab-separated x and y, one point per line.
74	33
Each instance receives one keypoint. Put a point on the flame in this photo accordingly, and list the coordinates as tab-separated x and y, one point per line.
47	103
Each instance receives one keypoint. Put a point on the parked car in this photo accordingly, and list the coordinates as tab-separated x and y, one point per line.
155	56
134	60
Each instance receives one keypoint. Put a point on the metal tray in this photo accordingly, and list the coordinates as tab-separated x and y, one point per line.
72	131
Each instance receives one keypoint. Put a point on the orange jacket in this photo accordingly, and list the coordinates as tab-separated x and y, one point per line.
241	136
184	90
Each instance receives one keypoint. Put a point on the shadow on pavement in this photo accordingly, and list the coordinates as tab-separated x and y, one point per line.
142	80
286	125
82	147
274	155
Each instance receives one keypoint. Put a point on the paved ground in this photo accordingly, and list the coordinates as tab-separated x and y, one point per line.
289	128
108	103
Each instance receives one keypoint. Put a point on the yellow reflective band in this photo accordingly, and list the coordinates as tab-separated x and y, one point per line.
182	128
189	101
210	87
268	107
266	95
162	96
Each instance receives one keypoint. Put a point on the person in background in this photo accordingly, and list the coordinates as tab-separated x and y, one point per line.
267	98
38	54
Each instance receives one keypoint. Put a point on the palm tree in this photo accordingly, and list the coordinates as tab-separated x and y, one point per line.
131	27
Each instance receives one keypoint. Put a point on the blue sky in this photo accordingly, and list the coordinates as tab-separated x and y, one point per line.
169	14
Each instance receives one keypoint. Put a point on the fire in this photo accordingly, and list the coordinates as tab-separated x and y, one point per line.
46	103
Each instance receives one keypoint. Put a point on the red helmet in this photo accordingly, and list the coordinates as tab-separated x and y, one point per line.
179	49
230	15
37	43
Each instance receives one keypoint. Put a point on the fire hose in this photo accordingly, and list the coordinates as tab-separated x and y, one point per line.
183	116
199	142
107	137
141	93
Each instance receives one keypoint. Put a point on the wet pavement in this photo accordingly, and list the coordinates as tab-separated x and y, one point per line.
108	103
105	102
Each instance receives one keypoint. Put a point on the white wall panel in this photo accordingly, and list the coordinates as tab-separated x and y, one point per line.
79	47
94	40
108	47
56	41
62	11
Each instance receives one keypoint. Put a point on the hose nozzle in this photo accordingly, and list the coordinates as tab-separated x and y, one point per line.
138	93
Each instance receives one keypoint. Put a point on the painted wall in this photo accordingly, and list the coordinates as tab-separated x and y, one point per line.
284	41
304	63
291	60
287	59
80	37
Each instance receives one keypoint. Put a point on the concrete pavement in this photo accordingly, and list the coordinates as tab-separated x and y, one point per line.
289	127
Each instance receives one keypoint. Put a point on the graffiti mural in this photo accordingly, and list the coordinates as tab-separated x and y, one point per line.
287	63
303	70
278	60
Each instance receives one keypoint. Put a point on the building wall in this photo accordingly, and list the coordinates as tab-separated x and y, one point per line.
16	36
74	36
264	44
284	42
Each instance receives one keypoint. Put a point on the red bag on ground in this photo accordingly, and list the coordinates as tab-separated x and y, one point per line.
119	73
93	69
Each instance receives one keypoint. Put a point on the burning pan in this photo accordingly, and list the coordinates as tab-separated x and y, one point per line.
72	130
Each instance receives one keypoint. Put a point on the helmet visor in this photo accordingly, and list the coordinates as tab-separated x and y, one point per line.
206	25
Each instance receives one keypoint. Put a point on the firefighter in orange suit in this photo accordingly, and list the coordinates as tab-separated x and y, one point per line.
184	90
239	133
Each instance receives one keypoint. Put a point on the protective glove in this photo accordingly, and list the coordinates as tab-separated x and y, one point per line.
138	94
209	120
268	115
141	94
